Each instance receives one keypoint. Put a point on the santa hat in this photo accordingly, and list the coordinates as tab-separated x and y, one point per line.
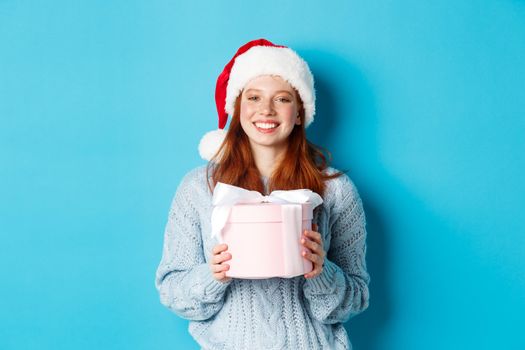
255	58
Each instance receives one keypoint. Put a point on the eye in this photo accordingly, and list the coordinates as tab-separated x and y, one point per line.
284	99
253	98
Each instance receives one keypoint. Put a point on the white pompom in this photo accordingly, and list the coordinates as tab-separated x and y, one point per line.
210	143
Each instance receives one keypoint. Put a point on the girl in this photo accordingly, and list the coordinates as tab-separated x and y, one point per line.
268	90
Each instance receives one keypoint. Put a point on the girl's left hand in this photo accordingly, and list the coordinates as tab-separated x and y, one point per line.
313	241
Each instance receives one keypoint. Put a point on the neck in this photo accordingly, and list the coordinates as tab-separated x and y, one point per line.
267	158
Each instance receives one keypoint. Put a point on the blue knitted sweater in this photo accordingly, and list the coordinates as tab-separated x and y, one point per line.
275	313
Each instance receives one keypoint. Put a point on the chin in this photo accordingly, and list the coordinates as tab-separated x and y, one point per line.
267	143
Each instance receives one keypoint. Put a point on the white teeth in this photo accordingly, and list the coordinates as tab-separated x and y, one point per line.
266	125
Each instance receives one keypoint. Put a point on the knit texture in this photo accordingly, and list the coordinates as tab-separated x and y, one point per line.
275	313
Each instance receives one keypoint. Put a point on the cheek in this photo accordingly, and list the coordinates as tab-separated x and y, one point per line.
290	113
246	111
244	117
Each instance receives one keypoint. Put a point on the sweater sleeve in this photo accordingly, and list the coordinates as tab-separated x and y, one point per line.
341	290
183	279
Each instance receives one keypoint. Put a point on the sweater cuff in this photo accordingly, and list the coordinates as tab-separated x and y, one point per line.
216	287
209	288
325	282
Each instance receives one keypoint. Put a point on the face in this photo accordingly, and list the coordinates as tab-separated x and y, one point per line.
269	111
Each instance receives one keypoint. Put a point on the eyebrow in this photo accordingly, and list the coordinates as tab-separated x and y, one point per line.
277	92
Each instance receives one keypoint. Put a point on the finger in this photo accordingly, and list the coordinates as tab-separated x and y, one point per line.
316	270
219	258
220	268
221	276
315	227
314	235
311	245
219	248
316	259
315	249
314	273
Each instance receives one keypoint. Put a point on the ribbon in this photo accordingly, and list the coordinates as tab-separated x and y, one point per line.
226	196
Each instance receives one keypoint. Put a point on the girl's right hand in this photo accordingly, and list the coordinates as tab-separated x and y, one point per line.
217	265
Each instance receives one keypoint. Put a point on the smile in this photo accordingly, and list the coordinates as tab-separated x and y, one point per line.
266	127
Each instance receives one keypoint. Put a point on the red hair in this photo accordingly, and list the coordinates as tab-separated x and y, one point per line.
302	166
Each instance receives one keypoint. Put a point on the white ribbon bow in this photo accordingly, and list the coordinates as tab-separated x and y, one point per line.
225	196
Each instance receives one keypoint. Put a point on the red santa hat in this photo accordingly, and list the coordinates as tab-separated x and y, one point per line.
255	58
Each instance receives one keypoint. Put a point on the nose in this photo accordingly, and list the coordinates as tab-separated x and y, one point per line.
266	107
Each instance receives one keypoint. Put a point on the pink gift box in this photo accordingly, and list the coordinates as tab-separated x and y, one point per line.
262	245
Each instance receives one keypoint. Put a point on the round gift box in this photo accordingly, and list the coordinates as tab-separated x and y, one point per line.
255	236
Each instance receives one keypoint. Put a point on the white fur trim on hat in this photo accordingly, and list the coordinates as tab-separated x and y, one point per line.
210	143
269	60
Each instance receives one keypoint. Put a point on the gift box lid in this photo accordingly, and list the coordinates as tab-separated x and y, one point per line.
264	212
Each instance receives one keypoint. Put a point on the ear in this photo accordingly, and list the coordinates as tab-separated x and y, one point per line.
298	120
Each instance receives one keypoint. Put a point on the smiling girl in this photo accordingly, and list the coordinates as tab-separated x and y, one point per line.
268	92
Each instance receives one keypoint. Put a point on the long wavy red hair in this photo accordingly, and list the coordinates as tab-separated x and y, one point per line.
302	167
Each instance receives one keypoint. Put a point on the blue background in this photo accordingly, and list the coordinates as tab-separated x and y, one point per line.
102	106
